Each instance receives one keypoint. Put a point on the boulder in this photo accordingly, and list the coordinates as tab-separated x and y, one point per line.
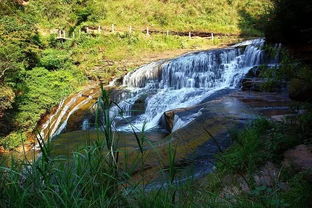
252	84
168	120
267	175
253	72
300	158
300	90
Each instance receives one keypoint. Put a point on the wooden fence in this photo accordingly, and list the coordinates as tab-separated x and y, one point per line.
97	30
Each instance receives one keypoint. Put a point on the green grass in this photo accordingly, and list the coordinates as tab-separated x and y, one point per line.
93	177
225	16
108	56
261	142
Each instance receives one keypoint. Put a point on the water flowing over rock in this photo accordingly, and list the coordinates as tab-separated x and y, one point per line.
185	81
57	121
165	85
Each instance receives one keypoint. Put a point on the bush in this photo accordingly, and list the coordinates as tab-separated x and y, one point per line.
53	59
13	140
6	98
42	90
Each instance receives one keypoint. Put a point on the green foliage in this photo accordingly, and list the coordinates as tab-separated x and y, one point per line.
247	152
299	195
13	140
42	90
18	44
263	141
296	74
54	59
11	58
216	16
6	98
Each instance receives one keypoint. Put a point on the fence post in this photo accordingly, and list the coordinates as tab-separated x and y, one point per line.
147	31
167	32
190	35
87	29
212	36
113	28
99	29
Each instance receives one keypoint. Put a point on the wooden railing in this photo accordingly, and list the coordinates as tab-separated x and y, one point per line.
97	30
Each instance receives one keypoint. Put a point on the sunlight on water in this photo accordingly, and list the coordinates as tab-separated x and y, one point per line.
186	81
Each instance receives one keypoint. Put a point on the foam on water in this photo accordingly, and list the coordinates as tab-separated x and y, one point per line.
186	81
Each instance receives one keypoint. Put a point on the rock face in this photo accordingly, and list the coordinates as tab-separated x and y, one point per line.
168	120
253	72
300	90
252	81
267	175
253	84
300	158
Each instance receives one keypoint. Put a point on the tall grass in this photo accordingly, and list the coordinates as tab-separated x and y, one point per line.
93	177
96	176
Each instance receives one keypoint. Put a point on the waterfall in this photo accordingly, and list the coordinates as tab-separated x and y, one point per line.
57	122
165	85
186	81
85	124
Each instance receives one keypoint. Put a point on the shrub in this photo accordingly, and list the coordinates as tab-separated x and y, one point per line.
53	59
6	98
13	140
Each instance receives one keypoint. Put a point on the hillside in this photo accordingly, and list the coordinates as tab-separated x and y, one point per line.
226	16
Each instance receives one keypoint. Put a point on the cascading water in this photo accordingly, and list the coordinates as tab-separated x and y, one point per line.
57	122
185	81
165	85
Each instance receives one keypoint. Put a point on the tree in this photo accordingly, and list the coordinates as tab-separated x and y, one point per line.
18	48
290	22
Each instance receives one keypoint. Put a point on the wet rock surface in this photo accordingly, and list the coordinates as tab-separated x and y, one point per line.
254	84
268	104
300	158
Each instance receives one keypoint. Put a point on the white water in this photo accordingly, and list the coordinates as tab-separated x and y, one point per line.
165	85
186	81
57	122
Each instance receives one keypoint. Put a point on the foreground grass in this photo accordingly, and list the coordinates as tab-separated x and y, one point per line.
234	183
95	176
